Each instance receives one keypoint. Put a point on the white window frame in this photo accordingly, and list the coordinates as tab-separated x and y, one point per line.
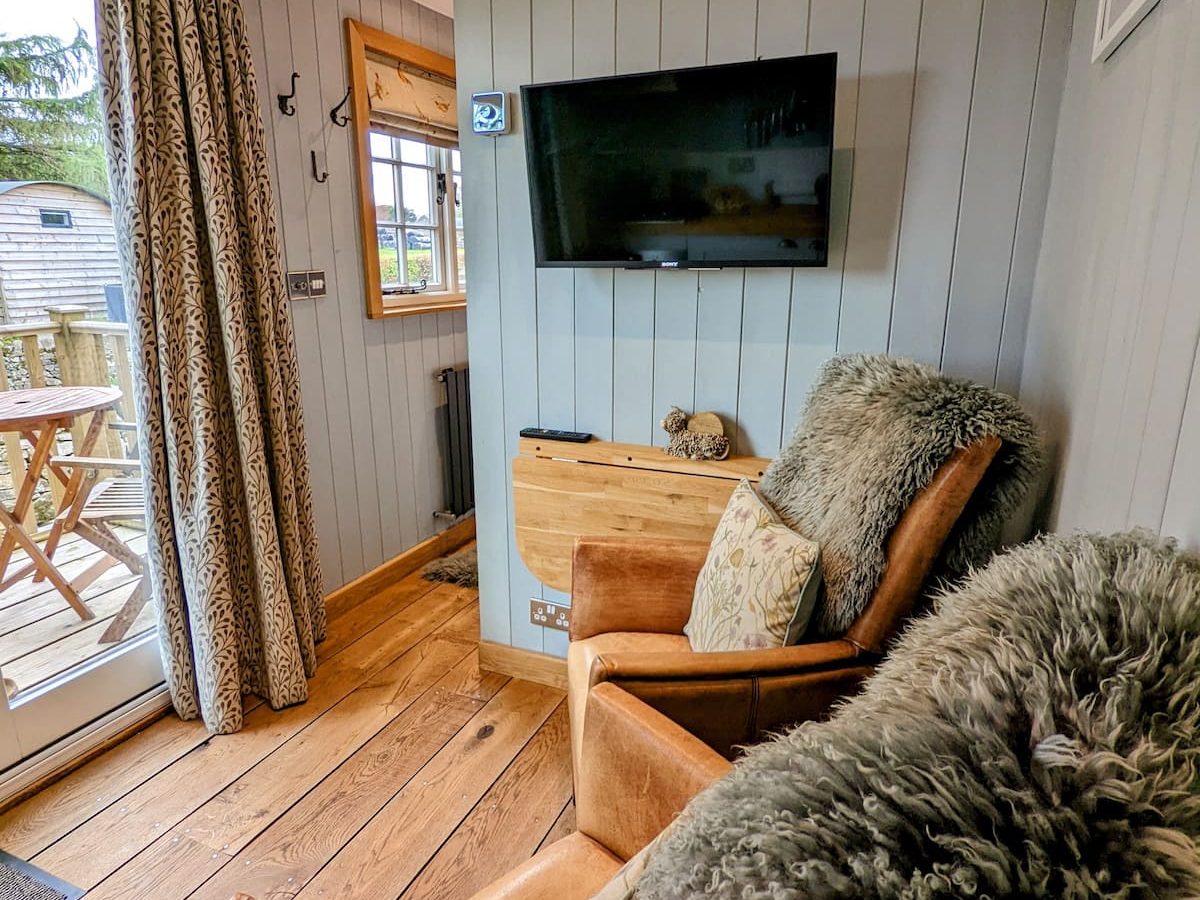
439	162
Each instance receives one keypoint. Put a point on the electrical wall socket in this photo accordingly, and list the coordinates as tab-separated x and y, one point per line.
552	615
303	285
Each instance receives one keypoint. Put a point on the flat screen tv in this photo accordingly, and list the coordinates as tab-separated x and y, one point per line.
690	168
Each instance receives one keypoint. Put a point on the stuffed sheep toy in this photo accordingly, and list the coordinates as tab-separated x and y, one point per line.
699	437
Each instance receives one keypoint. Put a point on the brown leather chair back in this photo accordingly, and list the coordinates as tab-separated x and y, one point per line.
916	541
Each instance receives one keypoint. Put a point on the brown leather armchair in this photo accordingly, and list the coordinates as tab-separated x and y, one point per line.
632	597
629	747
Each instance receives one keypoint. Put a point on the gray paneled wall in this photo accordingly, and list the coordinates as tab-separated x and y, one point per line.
370	401
1111	365
944	127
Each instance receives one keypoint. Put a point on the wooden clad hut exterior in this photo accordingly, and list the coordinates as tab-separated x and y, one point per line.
57	246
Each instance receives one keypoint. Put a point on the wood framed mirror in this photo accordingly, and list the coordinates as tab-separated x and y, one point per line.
403	115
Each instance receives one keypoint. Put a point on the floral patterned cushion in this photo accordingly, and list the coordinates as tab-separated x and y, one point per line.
759	583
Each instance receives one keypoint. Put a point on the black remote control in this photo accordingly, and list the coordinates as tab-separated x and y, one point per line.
553	434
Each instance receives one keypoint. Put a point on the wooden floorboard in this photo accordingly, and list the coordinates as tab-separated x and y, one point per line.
408	771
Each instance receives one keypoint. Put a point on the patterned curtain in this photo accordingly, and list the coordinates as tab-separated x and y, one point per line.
232	541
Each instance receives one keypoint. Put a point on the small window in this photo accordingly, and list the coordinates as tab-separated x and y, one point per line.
55	218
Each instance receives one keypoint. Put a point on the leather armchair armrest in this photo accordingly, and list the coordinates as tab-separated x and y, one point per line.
729	700
690	665
642	769
633	584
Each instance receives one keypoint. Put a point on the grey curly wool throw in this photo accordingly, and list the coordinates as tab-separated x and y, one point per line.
873	433
1037	736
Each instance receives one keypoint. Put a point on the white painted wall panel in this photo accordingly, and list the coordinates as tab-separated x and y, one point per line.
371	406
612	350
1111	357
1001	106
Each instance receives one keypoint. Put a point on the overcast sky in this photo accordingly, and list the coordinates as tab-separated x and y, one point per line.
61	18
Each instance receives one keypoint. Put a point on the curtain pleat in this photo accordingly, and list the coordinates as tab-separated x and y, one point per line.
231	534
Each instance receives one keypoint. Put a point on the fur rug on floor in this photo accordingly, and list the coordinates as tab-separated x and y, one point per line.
1037	736
873	433
460	568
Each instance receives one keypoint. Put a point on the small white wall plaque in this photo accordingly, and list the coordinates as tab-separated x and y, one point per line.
489	113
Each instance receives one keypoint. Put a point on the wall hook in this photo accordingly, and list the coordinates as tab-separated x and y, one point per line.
286	106
323	176
340	121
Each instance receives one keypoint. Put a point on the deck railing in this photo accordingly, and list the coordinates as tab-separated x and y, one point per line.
87	352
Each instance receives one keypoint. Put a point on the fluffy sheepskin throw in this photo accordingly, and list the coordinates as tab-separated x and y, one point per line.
1037	736
461	568
874	432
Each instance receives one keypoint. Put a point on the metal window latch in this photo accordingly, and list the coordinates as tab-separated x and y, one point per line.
408	289
441	188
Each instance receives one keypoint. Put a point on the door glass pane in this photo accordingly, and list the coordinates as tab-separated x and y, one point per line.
414	152
66	632
383	179
418	196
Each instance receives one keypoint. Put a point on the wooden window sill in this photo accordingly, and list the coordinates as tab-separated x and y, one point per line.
419	304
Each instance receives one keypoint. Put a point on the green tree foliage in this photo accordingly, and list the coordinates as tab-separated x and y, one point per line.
48	130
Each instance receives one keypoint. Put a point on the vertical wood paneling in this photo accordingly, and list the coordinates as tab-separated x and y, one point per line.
835	26
889	51
369	401
513	41
764	348
732	30
593	40
612	350
553	41
1035	189
473	42
271	59
1000	112
633	419
718	340
782	27
633	356
637	35
675	322
937	146
1111	358
1163	476
684	43
1150	226
1103	235
683	34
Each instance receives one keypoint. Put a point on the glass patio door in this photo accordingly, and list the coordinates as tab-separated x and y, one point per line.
77	642
34	719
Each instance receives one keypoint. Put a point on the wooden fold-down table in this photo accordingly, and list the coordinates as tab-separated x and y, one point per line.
37	414
562	491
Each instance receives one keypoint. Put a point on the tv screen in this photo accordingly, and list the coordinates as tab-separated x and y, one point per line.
691	168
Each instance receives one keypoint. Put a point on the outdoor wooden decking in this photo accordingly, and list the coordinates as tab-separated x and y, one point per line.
408	772
41	636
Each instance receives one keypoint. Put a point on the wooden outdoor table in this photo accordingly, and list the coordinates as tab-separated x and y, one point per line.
37	414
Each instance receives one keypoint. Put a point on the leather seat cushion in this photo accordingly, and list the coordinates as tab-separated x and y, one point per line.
580	656
570	868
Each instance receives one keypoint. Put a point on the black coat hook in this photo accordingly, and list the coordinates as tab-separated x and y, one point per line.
322	177
340	121
285	100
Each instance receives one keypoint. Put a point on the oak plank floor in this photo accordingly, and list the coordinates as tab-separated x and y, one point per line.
409	771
